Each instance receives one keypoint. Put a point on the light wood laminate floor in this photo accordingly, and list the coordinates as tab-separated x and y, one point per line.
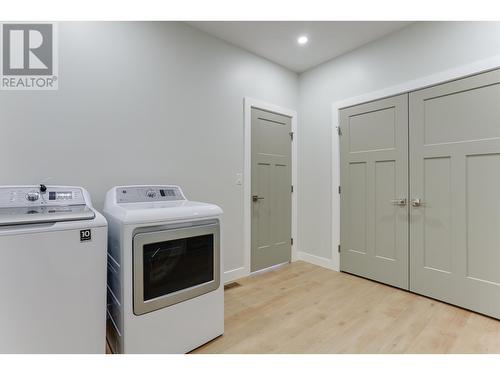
302	308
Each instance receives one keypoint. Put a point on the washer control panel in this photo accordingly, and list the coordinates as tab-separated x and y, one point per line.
40	195
137	194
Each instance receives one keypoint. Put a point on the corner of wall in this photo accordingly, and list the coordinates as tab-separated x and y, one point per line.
318	261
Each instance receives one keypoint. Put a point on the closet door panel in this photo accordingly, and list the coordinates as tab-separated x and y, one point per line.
455	192
374	182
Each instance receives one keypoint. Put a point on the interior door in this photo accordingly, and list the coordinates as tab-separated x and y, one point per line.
271	189
374	189
455	190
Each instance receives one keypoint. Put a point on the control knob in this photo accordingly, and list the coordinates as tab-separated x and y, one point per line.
33	196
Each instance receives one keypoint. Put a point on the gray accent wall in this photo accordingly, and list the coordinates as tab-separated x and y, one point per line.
142	103
416	51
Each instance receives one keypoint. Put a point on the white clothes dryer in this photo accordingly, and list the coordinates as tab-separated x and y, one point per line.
165	289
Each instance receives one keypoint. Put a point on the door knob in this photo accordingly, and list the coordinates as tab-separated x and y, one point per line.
399	202
256	198
416	202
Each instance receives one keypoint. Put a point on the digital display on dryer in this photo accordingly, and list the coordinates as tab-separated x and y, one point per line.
167	192
54	195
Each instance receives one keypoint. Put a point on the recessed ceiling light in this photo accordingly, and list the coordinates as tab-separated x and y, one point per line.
302	39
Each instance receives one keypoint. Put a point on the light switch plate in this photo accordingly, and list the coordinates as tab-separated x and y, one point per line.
239	178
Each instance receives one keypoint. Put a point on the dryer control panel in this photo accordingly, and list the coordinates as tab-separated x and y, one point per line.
41	195
138	194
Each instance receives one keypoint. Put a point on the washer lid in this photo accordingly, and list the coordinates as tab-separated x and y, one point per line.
44	214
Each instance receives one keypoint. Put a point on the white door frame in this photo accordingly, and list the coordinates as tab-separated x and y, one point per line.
431	80
250	103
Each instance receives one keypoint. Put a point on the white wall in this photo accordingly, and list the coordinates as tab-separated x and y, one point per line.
163	103
142	103
419	50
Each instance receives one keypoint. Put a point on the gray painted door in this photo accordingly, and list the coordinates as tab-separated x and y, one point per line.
455	171
271	189
374	179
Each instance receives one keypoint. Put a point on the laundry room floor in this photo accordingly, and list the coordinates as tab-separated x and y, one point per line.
303	308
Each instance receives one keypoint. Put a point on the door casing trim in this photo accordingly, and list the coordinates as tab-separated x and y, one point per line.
248	104
452	74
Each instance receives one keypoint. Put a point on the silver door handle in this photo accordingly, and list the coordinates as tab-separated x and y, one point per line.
417	202
399	202
256	198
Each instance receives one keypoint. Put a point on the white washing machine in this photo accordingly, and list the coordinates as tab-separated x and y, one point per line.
165	293
52	271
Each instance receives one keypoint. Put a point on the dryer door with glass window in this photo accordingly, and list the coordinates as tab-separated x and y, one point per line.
174	265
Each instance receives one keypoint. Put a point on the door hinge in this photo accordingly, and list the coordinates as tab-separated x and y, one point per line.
339	189
292	188
339	130
291	241
338	248
291	136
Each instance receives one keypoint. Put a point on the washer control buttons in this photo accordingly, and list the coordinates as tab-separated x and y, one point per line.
32	196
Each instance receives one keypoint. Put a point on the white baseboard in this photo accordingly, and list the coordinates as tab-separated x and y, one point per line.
235	274
238	273
318	261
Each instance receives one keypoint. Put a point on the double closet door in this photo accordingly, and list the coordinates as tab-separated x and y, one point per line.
420	199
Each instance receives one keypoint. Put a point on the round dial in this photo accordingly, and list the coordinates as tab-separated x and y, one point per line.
32	196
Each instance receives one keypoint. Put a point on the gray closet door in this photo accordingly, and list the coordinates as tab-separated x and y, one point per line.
271	189
374	189
455	172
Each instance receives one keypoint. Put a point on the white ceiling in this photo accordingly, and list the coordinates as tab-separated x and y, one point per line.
277	40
